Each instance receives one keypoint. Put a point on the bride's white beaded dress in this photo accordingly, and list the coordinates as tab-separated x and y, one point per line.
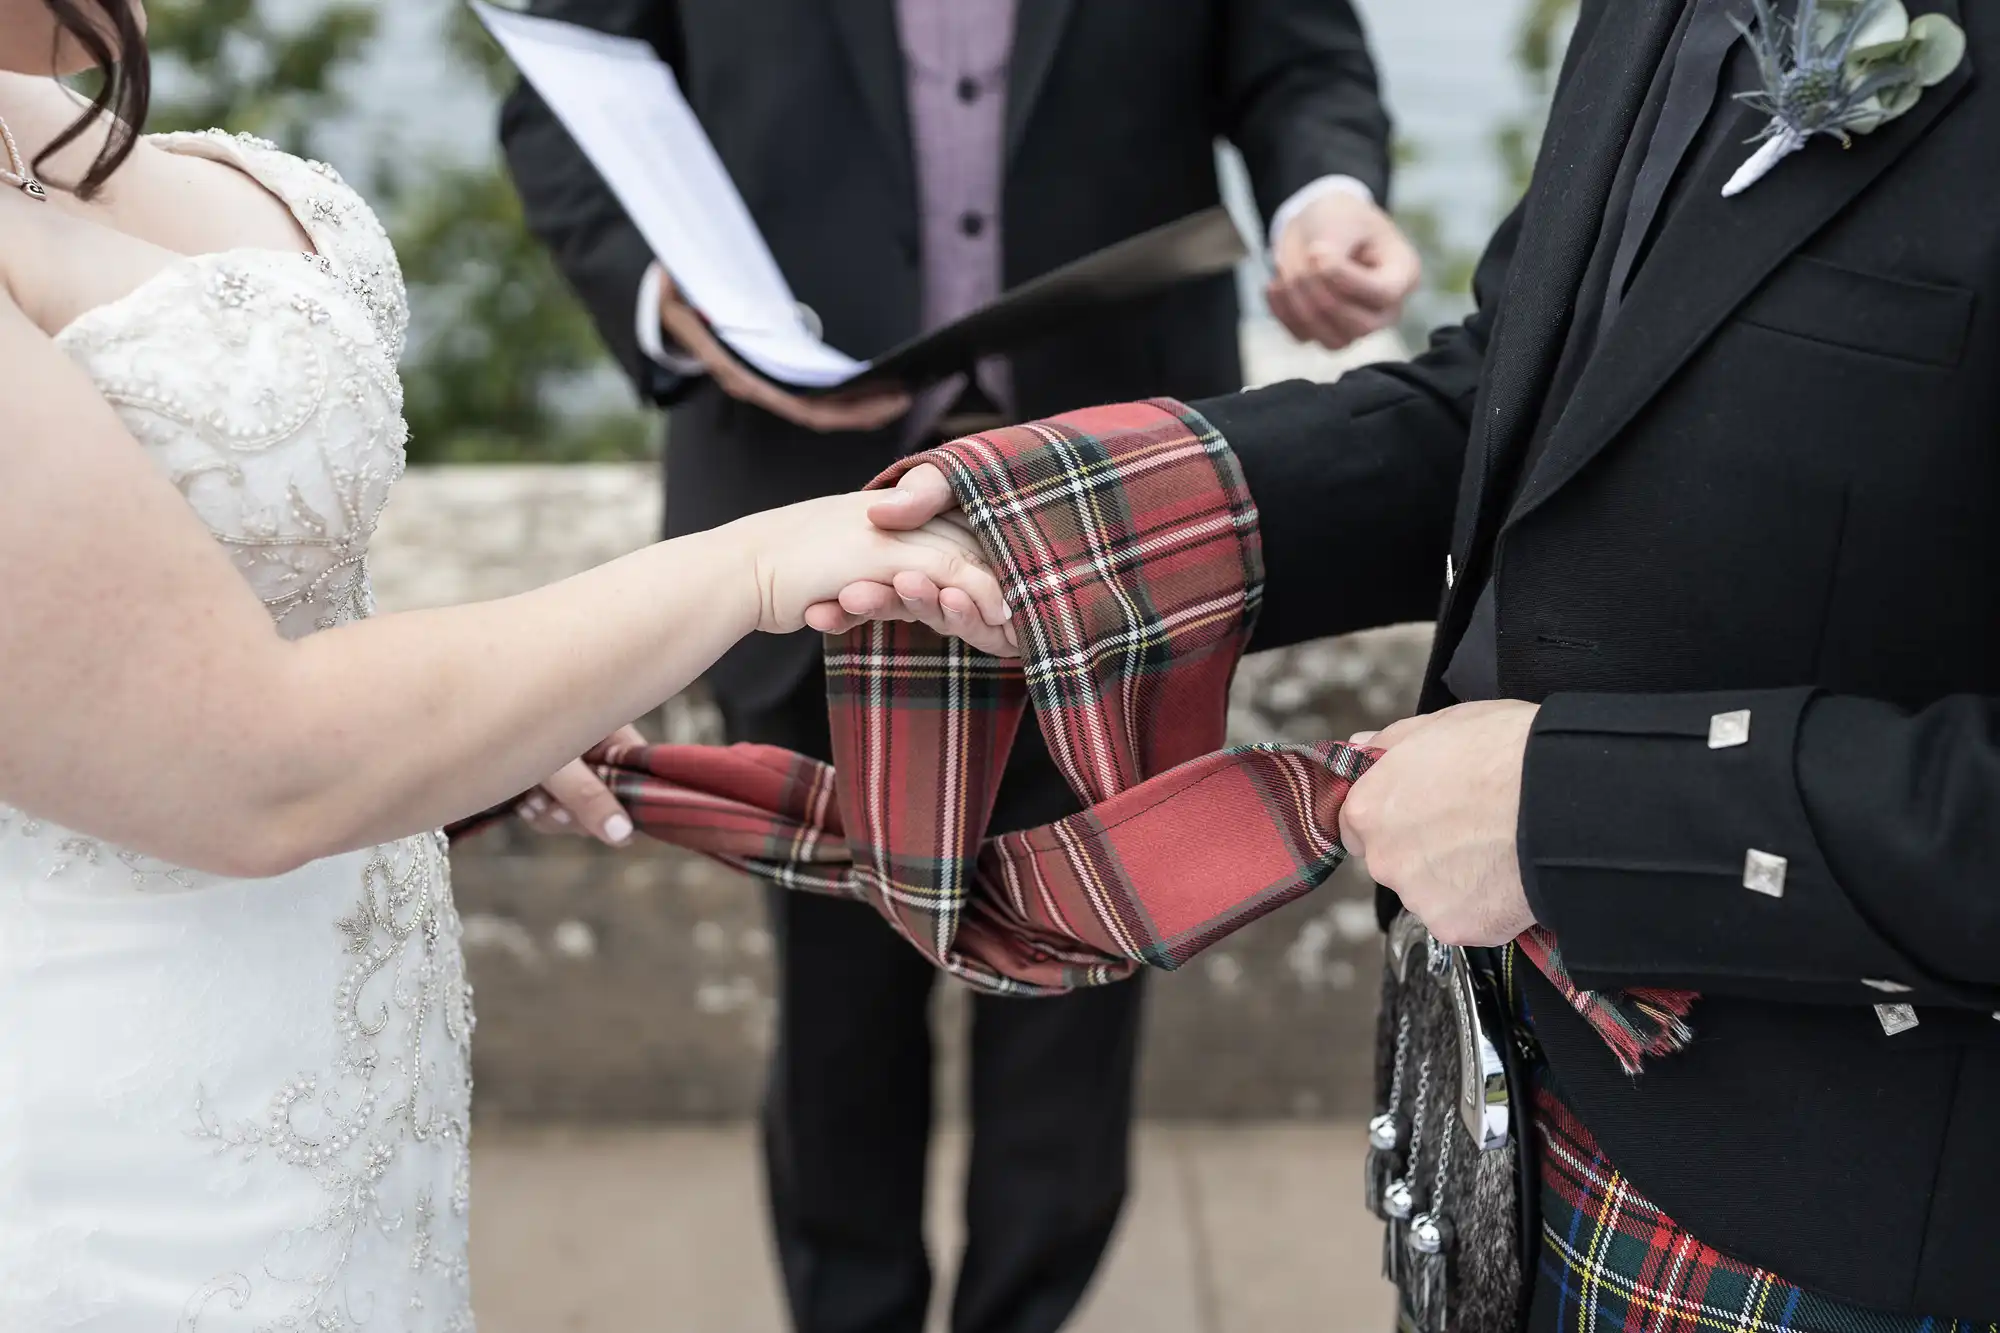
230	1106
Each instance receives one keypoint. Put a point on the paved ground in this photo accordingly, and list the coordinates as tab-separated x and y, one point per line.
1238	1229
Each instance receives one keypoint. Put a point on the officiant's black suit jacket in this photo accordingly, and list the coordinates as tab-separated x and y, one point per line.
1774	488
1113	110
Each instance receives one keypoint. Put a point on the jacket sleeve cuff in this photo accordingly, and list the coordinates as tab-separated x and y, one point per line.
1664	841
1307	195
675	359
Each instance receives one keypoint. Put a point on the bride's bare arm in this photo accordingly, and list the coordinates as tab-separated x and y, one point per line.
146	698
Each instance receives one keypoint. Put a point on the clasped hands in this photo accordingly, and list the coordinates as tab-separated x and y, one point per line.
774	571
1434	819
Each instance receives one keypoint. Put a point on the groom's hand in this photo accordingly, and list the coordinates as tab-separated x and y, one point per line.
1435	819
921	496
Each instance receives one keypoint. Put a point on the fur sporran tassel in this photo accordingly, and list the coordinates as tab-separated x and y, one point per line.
1385	1184
1430	1271
1394	1245
1388	1134
1486	1281
1399	1196
1431	1240
1450	1244
1386	1137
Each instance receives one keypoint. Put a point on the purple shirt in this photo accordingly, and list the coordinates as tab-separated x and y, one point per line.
955	55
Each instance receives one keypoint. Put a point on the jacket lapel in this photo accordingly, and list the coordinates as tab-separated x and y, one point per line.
1602	95
874	47
1038	30
1709	258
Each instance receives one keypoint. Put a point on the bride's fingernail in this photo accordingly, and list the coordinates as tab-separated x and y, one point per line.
618	828
560	815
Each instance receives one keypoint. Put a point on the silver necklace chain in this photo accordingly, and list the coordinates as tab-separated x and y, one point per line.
16	171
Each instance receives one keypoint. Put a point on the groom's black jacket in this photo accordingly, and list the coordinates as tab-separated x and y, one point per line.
1773	486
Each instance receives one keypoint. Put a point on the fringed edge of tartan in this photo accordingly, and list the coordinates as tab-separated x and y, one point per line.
1636	1024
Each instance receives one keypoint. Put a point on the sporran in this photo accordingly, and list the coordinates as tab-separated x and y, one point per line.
1444	1152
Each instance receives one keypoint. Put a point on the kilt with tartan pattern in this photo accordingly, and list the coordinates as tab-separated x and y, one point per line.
1612	1262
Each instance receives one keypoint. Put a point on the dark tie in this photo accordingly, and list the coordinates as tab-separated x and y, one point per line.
1690	98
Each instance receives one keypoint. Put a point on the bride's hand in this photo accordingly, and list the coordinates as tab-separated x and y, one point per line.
575	801
803	557
921	501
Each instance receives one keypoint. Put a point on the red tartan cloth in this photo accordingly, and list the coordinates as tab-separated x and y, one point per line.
1128	546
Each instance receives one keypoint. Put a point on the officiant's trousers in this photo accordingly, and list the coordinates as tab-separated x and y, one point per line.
847	1113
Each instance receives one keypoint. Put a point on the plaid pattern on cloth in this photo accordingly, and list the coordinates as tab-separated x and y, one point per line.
1634	1023
1612	1262
1128	546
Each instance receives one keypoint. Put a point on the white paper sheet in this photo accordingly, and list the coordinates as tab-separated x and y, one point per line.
624	108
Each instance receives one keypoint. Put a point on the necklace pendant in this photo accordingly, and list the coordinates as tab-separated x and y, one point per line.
33	188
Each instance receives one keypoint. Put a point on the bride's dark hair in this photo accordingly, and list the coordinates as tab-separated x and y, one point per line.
110	34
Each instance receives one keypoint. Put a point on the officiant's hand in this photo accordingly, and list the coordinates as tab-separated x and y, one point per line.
922	497
575	801
1344	270
1435	819
862	410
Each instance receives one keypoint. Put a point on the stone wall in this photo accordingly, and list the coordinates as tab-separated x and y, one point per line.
637	984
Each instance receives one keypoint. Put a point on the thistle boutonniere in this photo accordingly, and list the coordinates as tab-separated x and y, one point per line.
1842	67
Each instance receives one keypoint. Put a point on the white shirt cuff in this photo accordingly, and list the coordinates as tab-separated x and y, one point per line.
653	338
1311	192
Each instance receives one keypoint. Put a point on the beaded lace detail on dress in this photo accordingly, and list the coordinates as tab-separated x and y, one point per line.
244	1101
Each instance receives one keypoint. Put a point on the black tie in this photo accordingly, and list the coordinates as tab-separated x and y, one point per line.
1690	98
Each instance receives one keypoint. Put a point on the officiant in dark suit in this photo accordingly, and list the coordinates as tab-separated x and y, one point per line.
1703	501
908	161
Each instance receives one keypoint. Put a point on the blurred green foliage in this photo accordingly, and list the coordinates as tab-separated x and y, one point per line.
1446	293
503	351
1538	51
1448	268
502	364
237	69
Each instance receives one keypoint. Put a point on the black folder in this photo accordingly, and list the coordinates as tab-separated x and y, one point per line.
1197	246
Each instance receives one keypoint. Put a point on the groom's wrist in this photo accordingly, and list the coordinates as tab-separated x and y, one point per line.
1663	840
